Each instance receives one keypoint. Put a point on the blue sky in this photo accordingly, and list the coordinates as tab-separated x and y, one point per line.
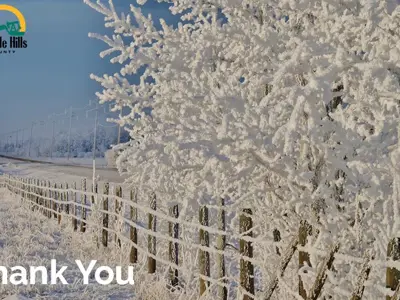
53	72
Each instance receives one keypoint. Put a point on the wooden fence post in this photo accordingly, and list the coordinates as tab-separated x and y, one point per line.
305	230
174	246
221	244
44	200
246	250
26	188
277	238
31	191
151	262
28	191
321	275
62	206
40	192
83	209
95	199
66	199
204	255
42	197
37	186
31	194
47	195
19	183
23	189
15	184
20	187
50	202
106	191
396	295
73	207
14	190
362	277
133	256
94	190
36	189
35	195
28	195
44	189
58	196
55	204
392	274
285	259
118	210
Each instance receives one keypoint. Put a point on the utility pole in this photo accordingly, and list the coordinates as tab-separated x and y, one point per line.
94	146
94	139
69	133
30	141
8	143
16	139
22	143
52	141
119	134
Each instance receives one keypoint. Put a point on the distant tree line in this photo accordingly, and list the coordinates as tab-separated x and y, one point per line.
81	144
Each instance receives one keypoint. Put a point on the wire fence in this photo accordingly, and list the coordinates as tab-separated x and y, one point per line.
217	251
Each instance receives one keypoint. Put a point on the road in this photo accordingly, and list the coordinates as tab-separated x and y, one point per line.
52	171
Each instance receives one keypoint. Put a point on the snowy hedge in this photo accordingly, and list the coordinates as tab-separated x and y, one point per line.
288	107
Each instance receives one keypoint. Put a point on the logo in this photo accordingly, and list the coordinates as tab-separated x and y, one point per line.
14	29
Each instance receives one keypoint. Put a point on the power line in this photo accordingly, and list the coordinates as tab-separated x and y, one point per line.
22	142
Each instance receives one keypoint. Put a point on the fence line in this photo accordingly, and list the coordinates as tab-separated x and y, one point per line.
175	242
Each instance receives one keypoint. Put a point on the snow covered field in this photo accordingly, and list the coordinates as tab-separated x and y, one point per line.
54	172
30	239
100	162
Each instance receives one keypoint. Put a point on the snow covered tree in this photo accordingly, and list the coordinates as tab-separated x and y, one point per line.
290	107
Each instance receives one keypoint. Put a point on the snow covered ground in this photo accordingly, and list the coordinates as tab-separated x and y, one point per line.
100	162
56	173
30	239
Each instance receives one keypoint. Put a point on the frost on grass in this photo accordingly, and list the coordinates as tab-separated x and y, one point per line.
290	108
